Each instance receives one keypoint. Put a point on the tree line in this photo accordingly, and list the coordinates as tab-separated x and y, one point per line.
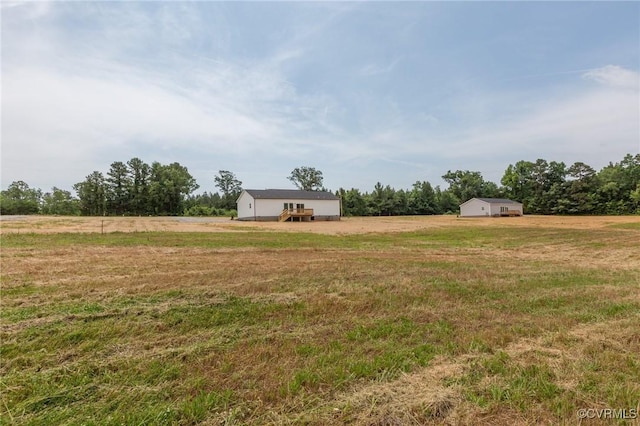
542	187
136	188
131	188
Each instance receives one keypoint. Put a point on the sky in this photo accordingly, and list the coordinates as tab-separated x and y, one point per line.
366	92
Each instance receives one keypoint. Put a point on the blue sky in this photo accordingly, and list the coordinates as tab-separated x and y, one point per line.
366	91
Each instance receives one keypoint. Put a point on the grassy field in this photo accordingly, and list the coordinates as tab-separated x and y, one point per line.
474	324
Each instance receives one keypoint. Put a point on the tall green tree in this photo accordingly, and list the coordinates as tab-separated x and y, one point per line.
581	189
465	184
635	200
118	189
139	173
306	178
446	201
422	199
169	185
230	187
616	185
92	194
19	198
517	181
60	202
382	200
399	202
544	179
353	202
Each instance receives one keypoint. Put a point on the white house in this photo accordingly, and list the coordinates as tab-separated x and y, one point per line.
287	204
477	207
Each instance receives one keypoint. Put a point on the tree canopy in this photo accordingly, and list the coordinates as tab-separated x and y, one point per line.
230	187
306	178
19	198
137	188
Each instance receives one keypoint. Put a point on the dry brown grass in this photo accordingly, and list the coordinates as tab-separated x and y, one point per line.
302	320
424	397
346	226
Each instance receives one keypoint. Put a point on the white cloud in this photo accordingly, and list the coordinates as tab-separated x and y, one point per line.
615	76
64	118
85	84
85	106
31	9
594	125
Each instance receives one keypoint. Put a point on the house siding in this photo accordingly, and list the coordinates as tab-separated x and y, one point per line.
476	207
268	209
246	206
495	208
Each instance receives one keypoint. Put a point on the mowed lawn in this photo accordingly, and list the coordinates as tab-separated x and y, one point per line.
450	325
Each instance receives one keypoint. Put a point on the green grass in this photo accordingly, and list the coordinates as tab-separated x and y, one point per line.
448	237
267	327
633	225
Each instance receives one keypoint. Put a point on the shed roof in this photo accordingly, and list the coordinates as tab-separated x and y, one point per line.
493	200
290	194
498	200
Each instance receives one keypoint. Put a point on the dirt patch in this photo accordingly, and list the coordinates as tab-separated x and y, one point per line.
350	225
413	399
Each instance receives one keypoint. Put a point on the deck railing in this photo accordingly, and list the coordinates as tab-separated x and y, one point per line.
294	212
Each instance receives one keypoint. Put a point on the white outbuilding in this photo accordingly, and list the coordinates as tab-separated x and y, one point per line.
479	207
287	205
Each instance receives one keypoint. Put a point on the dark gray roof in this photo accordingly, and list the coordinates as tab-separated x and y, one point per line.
498	200
290	194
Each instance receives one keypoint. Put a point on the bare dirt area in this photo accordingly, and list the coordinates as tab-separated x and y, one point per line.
346	226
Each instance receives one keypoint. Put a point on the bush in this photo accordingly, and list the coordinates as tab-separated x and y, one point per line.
210	211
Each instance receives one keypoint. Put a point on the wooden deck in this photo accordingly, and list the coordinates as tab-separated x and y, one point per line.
511	213
302	215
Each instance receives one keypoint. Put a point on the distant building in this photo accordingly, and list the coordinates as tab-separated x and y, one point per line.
480	207
287	205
